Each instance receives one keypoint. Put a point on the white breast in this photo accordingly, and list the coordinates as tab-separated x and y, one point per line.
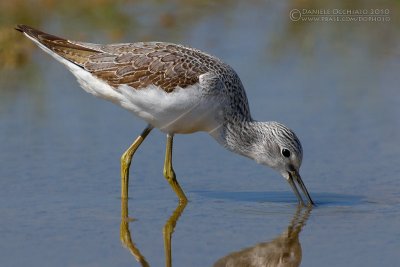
185	110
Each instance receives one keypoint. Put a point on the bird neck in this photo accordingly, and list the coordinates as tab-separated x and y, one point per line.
240	136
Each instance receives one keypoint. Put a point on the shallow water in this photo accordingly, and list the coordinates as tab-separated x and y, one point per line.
335	84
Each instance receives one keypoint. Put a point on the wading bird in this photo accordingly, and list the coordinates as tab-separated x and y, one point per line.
178	90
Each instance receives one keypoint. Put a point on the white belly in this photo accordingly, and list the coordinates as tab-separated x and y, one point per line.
185	110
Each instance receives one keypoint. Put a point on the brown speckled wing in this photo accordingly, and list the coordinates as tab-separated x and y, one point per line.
137	64
141	64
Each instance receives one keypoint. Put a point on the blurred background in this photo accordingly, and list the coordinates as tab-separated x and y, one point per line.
336	83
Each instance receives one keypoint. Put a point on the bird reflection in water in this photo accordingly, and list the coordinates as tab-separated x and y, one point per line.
283	251
168	229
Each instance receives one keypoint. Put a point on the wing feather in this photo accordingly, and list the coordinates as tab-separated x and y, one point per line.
138	65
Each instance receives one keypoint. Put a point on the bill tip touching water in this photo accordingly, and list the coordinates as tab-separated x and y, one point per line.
179	90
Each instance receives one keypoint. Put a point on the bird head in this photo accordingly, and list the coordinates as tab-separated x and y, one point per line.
279	148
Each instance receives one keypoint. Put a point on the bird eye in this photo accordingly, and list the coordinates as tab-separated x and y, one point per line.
286	153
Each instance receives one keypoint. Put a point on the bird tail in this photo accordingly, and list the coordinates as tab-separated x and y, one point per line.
54	45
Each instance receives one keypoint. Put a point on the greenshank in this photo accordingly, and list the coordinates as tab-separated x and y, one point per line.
179	90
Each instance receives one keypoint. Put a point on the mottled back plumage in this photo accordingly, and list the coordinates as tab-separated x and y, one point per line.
138	65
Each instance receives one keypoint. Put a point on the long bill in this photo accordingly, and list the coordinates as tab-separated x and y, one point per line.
294	176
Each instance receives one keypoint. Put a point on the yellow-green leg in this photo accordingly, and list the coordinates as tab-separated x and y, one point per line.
169	171
126	159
